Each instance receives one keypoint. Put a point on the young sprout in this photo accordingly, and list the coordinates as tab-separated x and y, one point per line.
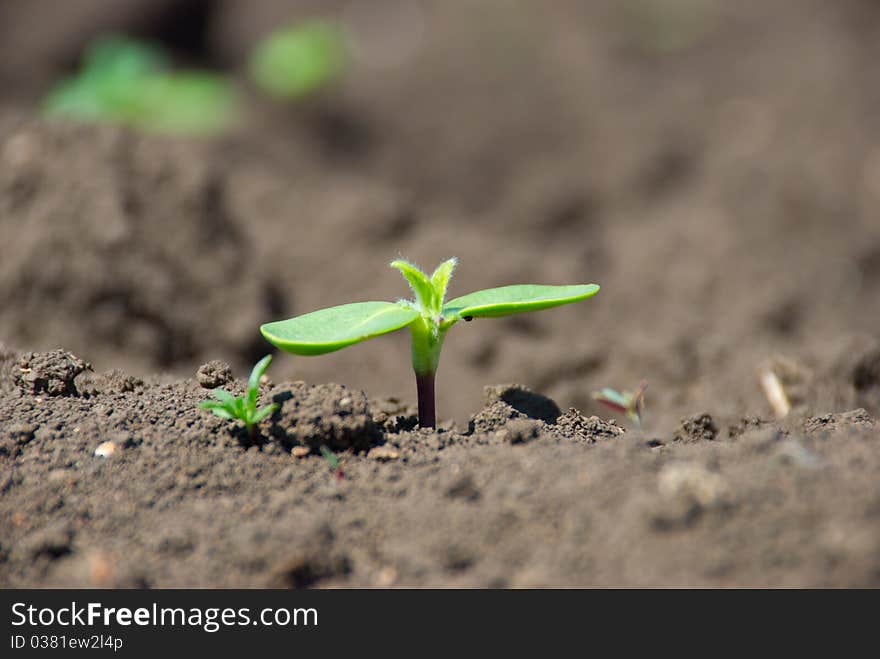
631	403
333	461
428	318
243	408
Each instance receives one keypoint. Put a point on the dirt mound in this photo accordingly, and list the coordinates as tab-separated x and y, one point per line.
697	427
52	373
575	425
327	415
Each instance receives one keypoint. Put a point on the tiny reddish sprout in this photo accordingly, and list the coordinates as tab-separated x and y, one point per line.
243	408
428	318
333	461
631	403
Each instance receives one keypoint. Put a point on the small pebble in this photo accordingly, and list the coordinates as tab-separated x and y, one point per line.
105	450
383	453
300	451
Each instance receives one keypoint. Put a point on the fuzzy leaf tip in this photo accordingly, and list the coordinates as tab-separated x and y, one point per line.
418	281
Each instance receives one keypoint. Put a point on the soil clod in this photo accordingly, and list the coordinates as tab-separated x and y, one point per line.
51	373
575	425
696	428
827	423
213	374
493	417
523	400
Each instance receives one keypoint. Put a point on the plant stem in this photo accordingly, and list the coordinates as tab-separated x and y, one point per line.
427	340
427	412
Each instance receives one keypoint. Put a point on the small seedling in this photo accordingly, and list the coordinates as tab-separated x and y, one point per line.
428	318
631	403
243	408
333	461
298	60
130	82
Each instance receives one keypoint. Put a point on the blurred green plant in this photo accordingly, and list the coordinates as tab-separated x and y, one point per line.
298	60
630	403
126	81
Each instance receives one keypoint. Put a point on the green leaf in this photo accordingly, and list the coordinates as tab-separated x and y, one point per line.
508	300
255	377
223	396
326	330
217	408
418	281
330	457
263	413
440	278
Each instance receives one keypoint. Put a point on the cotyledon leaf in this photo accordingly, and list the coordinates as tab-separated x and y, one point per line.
326	330
508	300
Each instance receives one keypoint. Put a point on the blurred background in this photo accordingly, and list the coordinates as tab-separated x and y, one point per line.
175	172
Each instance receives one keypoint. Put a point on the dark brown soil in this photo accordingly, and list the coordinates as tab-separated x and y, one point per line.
716	171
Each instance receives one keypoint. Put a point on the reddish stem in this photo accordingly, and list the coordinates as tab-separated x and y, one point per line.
425	388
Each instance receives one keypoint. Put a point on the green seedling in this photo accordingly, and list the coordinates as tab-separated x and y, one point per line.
333	461
130	82
298	60
630	403
428	318
243	408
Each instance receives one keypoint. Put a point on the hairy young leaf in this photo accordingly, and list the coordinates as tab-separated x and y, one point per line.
418	281
440	278
324	331
508	300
